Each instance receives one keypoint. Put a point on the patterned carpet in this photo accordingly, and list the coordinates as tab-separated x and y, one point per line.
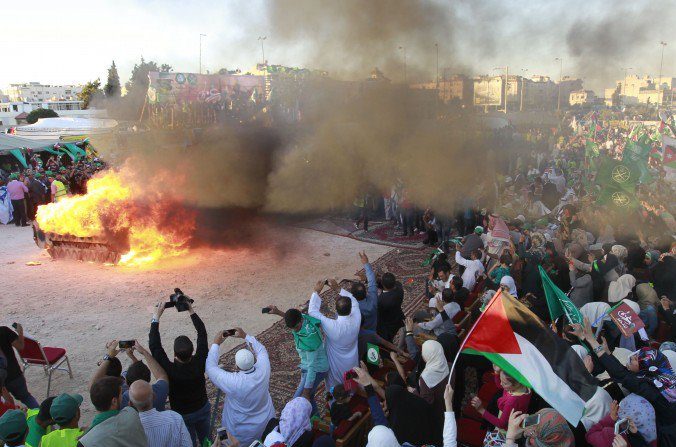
405	264
380	232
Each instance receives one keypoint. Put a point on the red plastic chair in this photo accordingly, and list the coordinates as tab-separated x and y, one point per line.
50	358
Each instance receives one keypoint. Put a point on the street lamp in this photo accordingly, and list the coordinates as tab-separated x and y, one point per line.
261	39
436	46
506	68
659	85
404	51
522	79
558	102
201	35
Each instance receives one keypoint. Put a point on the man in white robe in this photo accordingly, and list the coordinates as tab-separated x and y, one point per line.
247	408
341	334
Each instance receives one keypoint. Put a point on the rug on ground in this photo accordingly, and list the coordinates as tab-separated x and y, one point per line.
380	232
404	264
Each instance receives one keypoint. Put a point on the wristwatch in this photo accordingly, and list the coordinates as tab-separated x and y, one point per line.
154	320
598	349
105	358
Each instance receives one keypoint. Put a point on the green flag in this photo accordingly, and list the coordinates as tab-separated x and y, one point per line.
636	153
591	149
618	180
432	257
558	302
373	354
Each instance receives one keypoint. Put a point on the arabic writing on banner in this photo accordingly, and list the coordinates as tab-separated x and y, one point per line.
181	88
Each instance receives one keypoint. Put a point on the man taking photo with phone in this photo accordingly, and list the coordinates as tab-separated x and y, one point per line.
247	408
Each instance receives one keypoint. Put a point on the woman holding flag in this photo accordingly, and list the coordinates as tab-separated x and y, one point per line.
647	374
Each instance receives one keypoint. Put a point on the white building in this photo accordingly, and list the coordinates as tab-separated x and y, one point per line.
34	91
14	113
582	97
644	90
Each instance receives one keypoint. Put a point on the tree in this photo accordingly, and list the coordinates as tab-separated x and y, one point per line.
138	82
36	114
165	68
90	92
112	88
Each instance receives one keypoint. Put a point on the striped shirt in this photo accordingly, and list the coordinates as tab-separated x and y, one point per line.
165	429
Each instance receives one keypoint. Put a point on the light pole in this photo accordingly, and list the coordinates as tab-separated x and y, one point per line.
506	68
262	40
201	35
659	85
405	76
436	46
558	102
624	86
522	79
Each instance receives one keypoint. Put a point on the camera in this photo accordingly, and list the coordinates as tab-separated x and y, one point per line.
229	333
179	300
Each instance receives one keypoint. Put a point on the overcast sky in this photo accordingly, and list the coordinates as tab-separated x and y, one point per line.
74	41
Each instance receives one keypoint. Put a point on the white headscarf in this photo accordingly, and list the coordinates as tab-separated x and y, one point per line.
381	436
620	288
509	282
581	351
593	311
436	367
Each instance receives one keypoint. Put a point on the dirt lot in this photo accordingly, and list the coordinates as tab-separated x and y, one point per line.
80	306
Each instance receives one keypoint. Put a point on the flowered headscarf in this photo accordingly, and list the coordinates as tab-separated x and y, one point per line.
293	422
552	431
642	413
654	366
537	244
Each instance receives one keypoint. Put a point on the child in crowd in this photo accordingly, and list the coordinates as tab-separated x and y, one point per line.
340	408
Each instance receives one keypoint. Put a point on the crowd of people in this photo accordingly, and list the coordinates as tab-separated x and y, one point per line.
47	179
547	219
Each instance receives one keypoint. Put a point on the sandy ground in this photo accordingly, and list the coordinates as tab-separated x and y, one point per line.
81	306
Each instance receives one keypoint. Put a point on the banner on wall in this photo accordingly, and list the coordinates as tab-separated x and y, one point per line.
181	88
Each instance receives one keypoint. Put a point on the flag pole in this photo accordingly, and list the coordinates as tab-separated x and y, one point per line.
457	354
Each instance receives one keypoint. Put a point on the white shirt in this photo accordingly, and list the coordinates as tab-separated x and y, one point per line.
247	408
165	429
472	270
437	323
441	285
341	338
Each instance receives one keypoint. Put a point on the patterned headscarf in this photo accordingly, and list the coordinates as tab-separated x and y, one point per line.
642	413
654	366
553	430
537	244
293	422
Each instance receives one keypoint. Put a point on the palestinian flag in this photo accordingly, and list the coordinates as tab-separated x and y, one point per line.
669	151
508	334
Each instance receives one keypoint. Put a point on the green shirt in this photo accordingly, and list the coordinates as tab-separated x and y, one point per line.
497	274
35	430
65	437
100	417
310	346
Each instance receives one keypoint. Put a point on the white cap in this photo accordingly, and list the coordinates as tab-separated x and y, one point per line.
244	359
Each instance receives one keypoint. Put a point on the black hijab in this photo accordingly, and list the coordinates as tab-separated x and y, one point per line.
410	416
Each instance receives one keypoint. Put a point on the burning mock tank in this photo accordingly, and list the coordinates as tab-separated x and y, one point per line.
65	246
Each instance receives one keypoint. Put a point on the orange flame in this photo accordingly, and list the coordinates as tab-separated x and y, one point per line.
148	223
